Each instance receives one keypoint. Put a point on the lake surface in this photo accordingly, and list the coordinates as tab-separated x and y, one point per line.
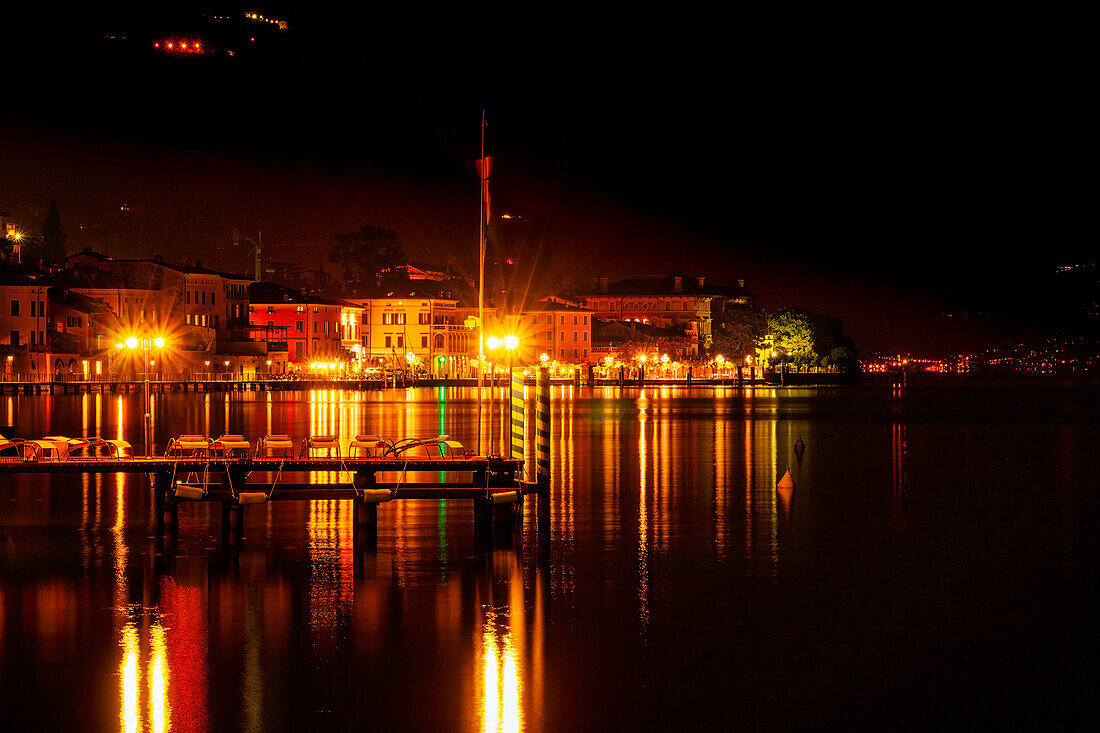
934	568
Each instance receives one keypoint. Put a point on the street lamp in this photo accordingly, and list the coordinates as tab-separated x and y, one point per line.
145	345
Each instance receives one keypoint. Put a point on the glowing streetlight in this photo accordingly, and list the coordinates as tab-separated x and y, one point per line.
511	342
492	343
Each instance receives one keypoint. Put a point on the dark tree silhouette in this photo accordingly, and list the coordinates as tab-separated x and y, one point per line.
364	253
53	236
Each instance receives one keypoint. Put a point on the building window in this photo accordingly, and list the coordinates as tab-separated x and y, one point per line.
563	335
584	353
387	319
212	299
535	320
549	319
574	320
400	319
423	319
400	342
585	336
315	326
549	335
300	309
563	320
271	309
389	341
299	327
574	353
187	297
14	338
423	342
574	336
563	353
32	309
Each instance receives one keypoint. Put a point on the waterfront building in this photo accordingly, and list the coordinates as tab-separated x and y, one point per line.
406	319
312	327
558	329
205	306
24	323
678	302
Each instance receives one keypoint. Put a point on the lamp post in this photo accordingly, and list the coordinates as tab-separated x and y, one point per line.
145	345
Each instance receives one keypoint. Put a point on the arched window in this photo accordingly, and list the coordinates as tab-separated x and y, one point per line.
439	341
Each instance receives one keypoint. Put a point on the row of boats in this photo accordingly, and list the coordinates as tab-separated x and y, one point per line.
58	448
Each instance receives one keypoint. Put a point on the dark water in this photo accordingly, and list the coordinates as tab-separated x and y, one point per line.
934	568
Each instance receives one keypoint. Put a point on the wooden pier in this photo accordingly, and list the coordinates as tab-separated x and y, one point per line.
493	484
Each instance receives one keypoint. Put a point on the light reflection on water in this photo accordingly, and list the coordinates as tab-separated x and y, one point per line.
667	535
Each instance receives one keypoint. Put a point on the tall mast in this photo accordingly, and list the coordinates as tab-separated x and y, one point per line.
481	281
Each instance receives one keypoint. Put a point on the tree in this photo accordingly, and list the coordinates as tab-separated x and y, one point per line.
792	331
737	330
366	252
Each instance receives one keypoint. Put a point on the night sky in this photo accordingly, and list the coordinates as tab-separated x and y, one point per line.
887	169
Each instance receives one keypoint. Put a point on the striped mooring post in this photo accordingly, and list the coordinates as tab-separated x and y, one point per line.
542	442
518	409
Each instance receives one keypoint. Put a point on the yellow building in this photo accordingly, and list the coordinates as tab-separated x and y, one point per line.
407	325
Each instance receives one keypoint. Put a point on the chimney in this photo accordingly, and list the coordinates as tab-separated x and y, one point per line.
677	284
700	279
741	284
601	283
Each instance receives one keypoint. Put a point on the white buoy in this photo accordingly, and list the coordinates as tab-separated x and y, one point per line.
786	482
251	497
799	446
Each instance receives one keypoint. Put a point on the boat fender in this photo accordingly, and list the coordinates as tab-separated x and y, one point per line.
506	497
188	492
377	496
251	497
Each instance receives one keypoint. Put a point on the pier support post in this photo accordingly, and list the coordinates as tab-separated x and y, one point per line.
232	519
689	375
167	509
365	513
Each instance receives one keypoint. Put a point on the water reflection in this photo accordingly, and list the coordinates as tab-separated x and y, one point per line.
666	517
502	642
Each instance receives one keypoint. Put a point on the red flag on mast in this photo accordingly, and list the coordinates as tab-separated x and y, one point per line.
484	170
